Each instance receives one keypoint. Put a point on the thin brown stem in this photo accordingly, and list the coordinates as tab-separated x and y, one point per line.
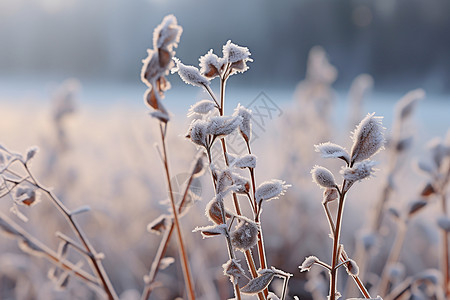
336	237
445	250
95	263
182	250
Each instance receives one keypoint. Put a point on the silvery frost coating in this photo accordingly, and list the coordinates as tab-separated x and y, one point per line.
232	268
323	177
330	150
368	138
158	62
308	263
202	107
271	189
237	56
244	161
245	127
359	171
190	74
259	283
245	236
352	268
211	65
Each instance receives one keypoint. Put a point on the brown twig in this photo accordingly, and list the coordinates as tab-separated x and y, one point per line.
182	251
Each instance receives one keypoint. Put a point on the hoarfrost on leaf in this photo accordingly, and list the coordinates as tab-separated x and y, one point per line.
245	236
308	263
368	138
246	126
211	65
330	150
359	171
259	283
213	230
232	268
271	189
223	125
202	107
190	74
323	177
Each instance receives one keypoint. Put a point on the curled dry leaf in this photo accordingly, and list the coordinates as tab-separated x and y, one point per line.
259	283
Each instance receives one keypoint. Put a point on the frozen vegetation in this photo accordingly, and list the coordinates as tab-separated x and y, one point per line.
233	201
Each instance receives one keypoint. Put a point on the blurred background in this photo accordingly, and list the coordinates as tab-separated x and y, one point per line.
403	44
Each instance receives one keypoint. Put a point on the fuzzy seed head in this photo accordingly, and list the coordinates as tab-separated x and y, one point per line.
271	189
190	74
368	138
323	177
234	53
245	236
244	161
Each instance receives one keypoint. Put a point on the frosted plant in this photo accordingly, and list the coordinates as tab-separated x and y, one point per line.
399	142
211	127
368	139
155	67
437	169
17	181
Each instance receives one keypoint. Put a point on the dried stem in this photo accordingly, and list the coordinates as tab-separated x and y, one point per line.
445	248
95	263
163	247
51	256
336	237
182	251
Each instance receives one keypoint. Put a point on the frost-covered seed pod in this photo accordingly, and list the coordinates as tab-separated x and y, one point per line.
352	268
232	268
368	138
271	189
198	132
211	65
330	195
214	213
323	177
213	230
245	236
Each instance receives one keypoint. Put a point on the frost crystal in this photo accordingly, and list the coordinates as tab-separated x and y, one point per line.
308	263
259	283
224	181
246	126
190	74
242	185
368	138
223	125
211	65
233	269
330	150
323	177
359	171
271	189
245	235
214	213
202	107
